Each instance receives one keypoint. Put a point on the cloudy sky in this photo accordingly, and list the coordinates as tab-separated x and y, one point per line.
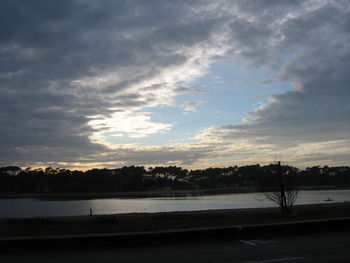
191	83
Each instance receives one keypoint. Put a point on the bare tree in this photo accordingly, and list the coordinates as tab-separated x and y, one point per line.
285	191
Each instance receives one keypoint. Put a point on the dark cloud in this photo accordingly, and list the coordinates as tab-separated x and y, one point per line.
317	110
54	54
62	62
311	48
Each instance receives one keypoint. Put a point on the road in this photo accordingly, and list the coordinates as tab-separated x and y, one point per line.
323	247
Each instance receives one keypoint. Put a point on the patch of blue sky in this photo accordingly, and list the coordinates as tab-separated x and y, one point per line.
230	91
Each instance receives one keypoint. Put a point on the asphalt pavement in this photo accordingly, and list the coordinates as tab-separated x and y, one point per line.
319	247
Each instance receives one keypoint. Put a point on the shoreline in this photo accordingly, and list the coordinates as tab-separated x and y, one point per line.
153	193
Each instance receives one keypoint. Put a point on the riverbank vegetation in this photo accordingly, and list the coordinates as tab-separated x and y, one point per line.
165	221
15	180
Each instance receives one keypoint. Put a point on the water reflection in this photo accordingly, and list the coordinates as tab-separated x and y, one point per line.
14	208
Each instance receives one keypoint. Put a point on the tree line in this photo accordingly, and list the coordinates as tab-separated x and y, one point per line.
138	178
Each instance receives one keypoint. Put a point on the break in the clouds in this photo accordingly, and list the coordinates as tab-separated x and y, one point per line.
74	74
190	106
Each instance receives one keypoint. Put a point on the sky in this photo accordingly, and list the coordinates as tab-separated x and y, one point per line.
197	84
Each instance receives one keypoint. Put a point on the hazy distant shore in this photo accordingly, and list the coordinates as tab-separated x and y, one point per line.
153	193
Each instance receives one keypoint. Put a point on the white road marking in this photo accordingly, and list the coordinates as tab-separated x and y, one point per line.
276	260
247	242
254	242
258	241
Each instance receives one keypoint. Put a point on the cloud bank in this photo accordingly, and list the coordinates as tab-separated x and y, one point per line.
72	71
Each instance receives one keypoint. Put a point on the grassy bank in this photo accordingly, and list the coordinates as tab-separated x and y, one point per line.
163	221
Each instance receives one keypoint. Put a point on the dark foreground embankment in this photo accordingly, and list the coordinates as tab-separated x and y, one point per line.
149	229
108	240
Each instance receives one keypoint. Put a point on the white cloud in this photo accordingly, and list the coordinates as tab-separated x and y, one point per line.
132	124
65	62
190	106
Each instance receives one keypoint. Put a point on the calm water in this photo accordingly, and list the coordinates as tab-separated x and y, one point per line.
26	207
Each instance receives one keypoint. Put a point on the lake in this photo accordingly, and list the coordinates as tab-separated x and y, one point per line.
30	207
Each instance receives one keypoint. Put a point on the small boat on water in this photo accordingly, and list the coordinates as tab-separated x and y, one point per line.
329	199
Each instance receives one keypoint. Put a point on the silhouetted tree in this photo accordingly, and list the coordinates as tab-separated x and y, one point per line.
137	178
285	190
